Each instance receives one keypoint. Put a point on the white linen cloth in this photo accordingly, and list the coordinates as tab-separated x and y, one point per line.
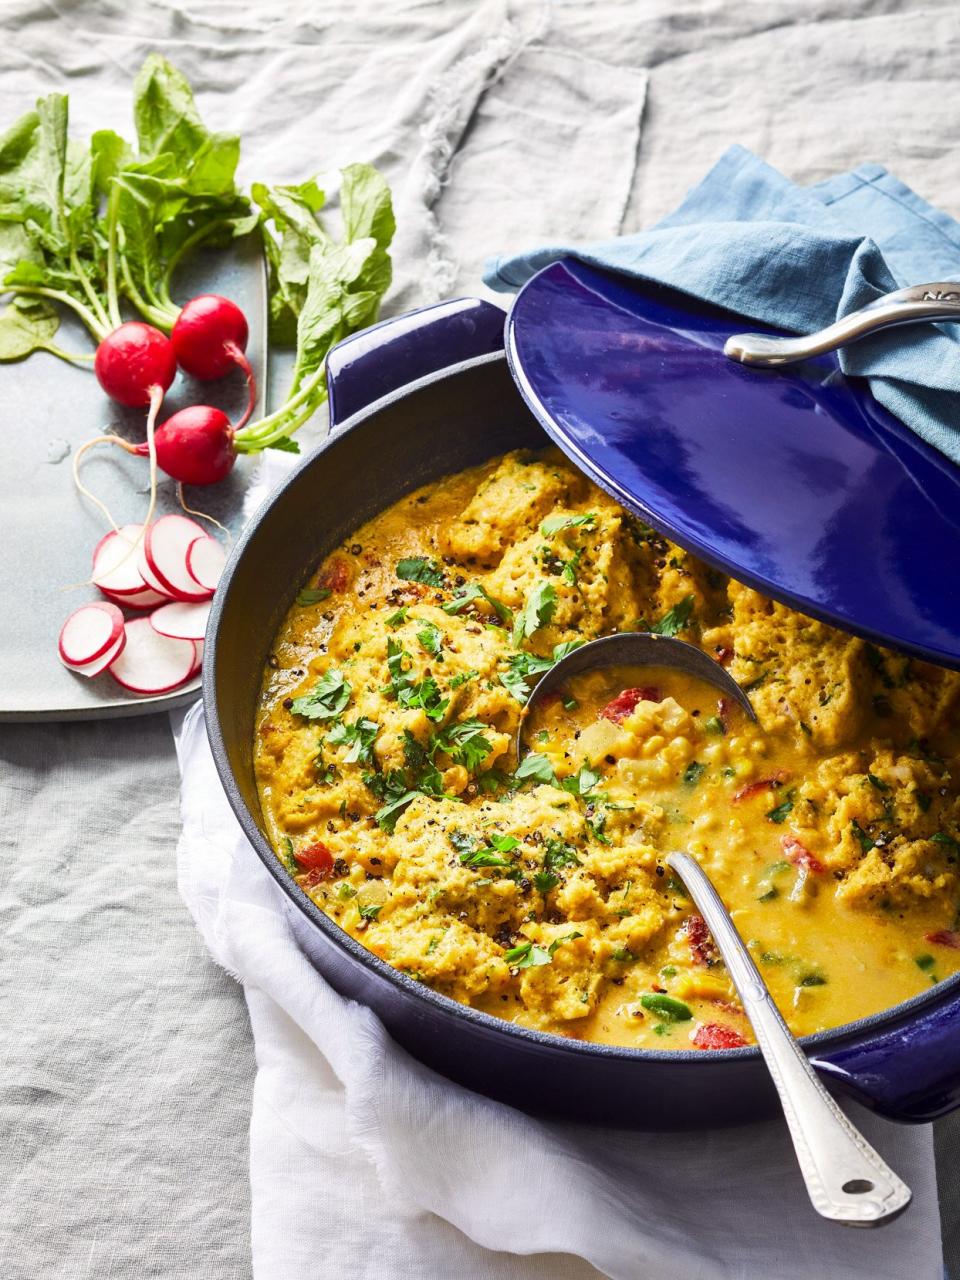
362	1160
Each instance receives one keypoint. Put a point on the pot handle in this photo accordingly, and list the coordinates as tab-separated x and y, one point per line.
377	361
908	1072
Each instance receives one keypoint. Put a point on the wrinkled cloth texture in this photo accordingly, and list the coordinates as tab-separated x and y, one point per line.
127	1060
748	239
332	1087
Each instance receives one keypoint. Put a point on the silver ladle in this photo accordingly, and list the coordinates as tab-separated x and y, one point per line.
919	302
634	649
847	1180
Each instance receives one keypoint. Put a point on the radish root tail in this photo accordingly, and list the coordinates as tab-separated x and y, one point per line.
240	359
201	515
82	488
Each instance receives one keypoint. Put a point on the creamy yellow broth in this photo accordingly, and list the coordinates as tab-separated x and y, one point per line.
539	893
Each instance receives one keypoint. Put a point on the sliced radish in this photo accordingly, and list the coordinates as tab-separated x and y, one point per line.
150	579
145	599
90	669
181	621
115	569
205	561
198	663
165	550
89	632
151	663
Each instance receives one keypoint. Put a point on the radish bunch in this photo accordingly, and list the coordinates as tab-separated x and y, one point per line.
171	568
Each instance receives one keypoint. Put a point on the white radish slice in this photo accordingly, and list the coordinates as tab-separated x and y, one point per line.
89	632
181	621
151	663
115	562
198	664
165	550
145	599
90	669
205	561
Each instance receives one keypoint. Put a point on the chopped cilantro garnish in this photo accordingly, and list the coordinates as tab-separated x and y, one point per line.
544	881
877	782
369	910
947	842
581	783
694	772
430	639
864	839
287	858
396	619
536	767
359	736
523	666
714	725
526	956
780	812
558	942
483	858
464	743
924	962
326	700
536	613
676	619
553	524
462	677
813	979
559	854
420	569
472	592
312	595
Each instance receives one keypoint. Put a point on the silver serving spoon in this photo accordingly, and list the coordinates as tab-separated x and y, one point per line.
634	649
919	302
846	1179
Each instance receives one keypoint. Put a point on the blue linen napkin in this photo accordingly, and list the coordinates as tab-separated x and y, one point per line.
748	239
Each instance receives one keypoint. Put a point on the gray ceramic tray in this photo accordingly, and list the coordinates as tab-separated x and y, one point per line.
47	409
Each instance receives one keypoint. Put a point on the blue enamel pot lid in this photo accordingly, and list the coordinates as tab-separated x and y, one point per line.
795	481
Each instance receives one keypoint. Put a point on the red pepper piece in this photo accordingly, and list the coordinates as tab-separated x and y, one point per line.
716	1035
724	655
698	939
800	855
762	784
944	938
625	702
315	857
334	576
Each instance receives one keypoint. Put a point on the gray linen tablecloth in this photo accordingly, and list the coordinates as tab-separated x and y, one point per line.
126	1059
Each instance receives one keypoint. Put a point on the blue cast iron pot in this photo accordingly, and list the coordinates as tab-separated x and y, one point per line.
411	400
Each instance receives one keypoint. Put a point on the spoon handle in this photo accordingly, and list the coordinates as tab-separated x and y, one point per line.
905	306
846	1179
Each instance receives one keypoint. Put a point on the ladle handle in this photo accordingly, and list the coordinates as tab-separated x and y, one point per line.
846	1179
919	302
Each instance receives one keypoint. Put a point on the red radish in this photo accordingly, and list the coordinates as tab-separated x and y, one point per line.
94	668
205	561
145	599
151	663
181	621
114	564
194	446
132	360
165	546
210	338
150	578
89	632
198	645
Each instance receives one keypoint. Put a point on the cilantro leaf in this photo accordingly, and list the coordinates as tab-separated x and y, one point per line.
536	767
526	956
537	612
694	772
523	666
420	569
430	640
464	743
312	595
864	839
779	813
581	783
469	594
675	619
359	736
553	524
326	700
558	942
